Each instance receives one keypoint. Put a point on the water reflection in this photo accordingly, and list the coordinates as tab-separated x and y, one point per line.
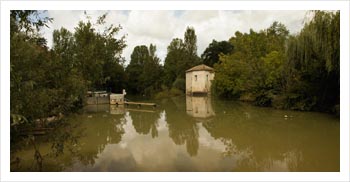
100	130
239	137
63	139
117	109
182	129
96	108
273	143
199	107
145	122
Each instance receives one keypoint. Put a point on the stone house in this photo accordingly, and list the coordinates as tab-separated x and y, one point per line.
198	79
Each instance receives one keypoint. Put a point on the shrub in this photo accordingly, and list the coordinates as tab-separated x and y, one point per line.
179	84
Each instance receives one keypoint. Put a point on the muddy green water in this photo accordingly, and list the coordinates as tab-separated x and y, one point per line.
188	134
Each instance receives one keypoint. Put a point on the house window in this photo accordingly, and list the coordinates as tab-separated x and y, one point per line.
195	77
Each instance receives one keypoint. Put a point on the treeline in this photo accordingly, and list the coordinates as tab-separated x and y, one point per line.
269	67
273	68
148	77
49	82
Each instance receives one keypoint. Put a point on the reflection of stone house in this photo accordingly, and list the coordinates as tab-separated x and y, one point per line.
199	107
198	79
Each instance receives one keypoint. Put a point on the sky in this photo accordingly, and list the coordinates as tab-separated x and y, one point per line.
161	26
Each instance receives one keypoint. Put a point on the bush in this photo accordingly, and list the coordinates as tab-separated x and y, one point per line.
173	92
294	102
263	100
247	97
179	84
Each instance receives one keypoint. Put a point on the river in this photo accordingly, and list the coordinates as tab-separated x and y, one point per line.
188	134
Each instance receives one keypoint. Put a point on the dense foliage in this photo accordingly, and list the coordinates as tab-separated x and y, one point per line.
211	54
181	56
273	68
269	67
144	71
312	65
253	66
52	82
34	83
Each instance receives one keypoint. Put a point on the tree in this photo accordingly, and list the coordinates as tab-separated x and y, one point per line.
29	63
47	83
182	55
151	73
273	68
190	41
50	82
28	22
175	55
42	84
313	60
253	71
190	48
97	52
63	46
211	54
135	68
144	70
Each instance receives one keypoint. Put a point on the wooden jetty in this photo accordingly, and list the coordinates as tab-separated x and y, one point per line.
140	104
102	97
140	110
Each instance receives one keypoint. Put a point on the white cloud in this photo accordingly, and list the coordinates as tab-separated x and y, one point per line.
199	16
160	27
155	24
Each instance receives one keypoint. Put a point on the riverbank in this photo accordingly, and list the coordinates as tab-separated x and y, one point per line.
173	92
279	102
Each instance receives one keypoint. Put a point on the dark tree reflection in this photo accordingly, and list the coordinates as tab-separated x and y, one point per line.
99	130
80	139
182	128
249	135
145	122
63	138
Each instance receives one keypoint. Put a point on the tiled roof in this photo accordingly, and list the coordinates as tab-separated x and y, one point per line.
201	67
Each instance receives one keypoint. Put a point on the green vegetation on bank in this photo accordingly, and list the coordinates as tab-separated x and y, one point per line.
181	56
144	71
48	83
146	76
269	67
273	68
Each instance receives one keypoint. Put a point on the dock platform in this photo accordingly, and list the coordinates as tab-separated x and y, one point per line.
140	104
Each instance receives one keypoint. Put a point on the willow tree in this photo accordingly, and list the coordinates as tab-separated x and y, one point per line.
313	61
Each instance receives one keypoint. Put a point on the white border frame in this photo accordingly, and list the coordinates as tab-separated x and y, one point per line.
6	6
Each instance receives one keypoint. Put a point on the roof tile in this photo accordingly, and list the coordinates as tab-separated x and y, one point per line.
201	67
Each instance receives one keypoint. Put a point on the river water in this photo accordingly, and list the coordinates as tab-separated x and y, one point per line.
188	134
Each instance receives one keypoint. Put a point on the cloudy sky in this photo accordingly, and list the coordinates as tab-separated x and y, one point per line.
160	27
